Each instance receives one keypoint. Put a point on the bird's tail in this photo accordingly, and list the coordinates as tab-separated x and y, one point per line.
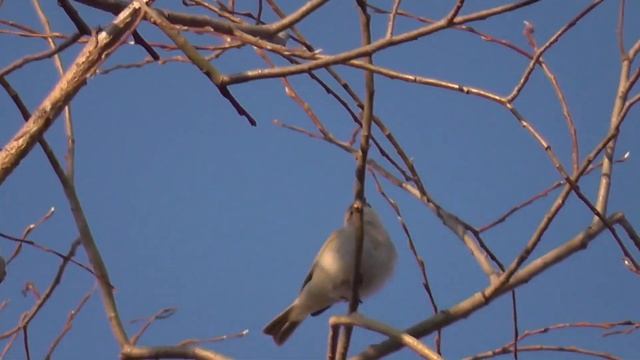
282	326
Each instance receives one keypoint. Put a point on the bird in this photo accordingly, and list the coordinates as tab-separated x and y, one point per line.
331	275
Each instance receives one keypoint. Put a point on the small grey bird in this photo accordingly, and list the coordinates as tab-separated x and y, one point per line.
330	278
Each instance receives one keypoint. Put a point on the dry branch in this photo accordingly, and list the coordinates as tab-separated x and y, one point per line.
93	54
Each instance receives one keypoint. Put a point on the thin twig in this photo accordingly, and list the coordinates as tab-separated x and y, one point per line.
69	323
554	39
620	30
46	249
193	342
392	18
160	315
566	113
540	348
40	56
68	120
556	185
72	13
30	314
374	46
419	260
28	231
209	70
480	299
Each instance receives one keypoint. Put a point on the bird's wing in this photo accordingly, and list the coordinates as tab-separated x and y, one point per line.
329	242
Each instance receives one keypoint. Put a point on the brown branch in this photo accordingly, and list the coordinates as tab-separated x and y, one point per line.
455	224
94	53
464	89
571	186
527	125
40	56
72	13
359	191
28	231
554	39
68	123
46	249
466	28
464	231
618	115
556	185
407	340
100	271
419	260
480	299
505	349
3	274
193	342
169	352
209	70
631	232
337	97
632	327
270	32
8	345
162	61
566	113
293	94
30	314
69	323
392	18
635	49
539	348
374	46
223	13
160	315
31	288
620	30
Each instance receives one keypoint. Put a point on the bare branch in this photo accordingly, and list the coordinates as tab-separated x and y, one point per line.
554	39
160	315
480	299
539	348
373	47
209	70
94	53
40	56
269	32
620	30
69	323
407	340
419	260
29	315
194	342
556	185
169	352
28	231
361	173
68	123
46	249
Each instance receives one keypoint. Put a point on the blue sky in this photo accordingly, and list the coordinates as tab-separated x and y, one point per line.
194	209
